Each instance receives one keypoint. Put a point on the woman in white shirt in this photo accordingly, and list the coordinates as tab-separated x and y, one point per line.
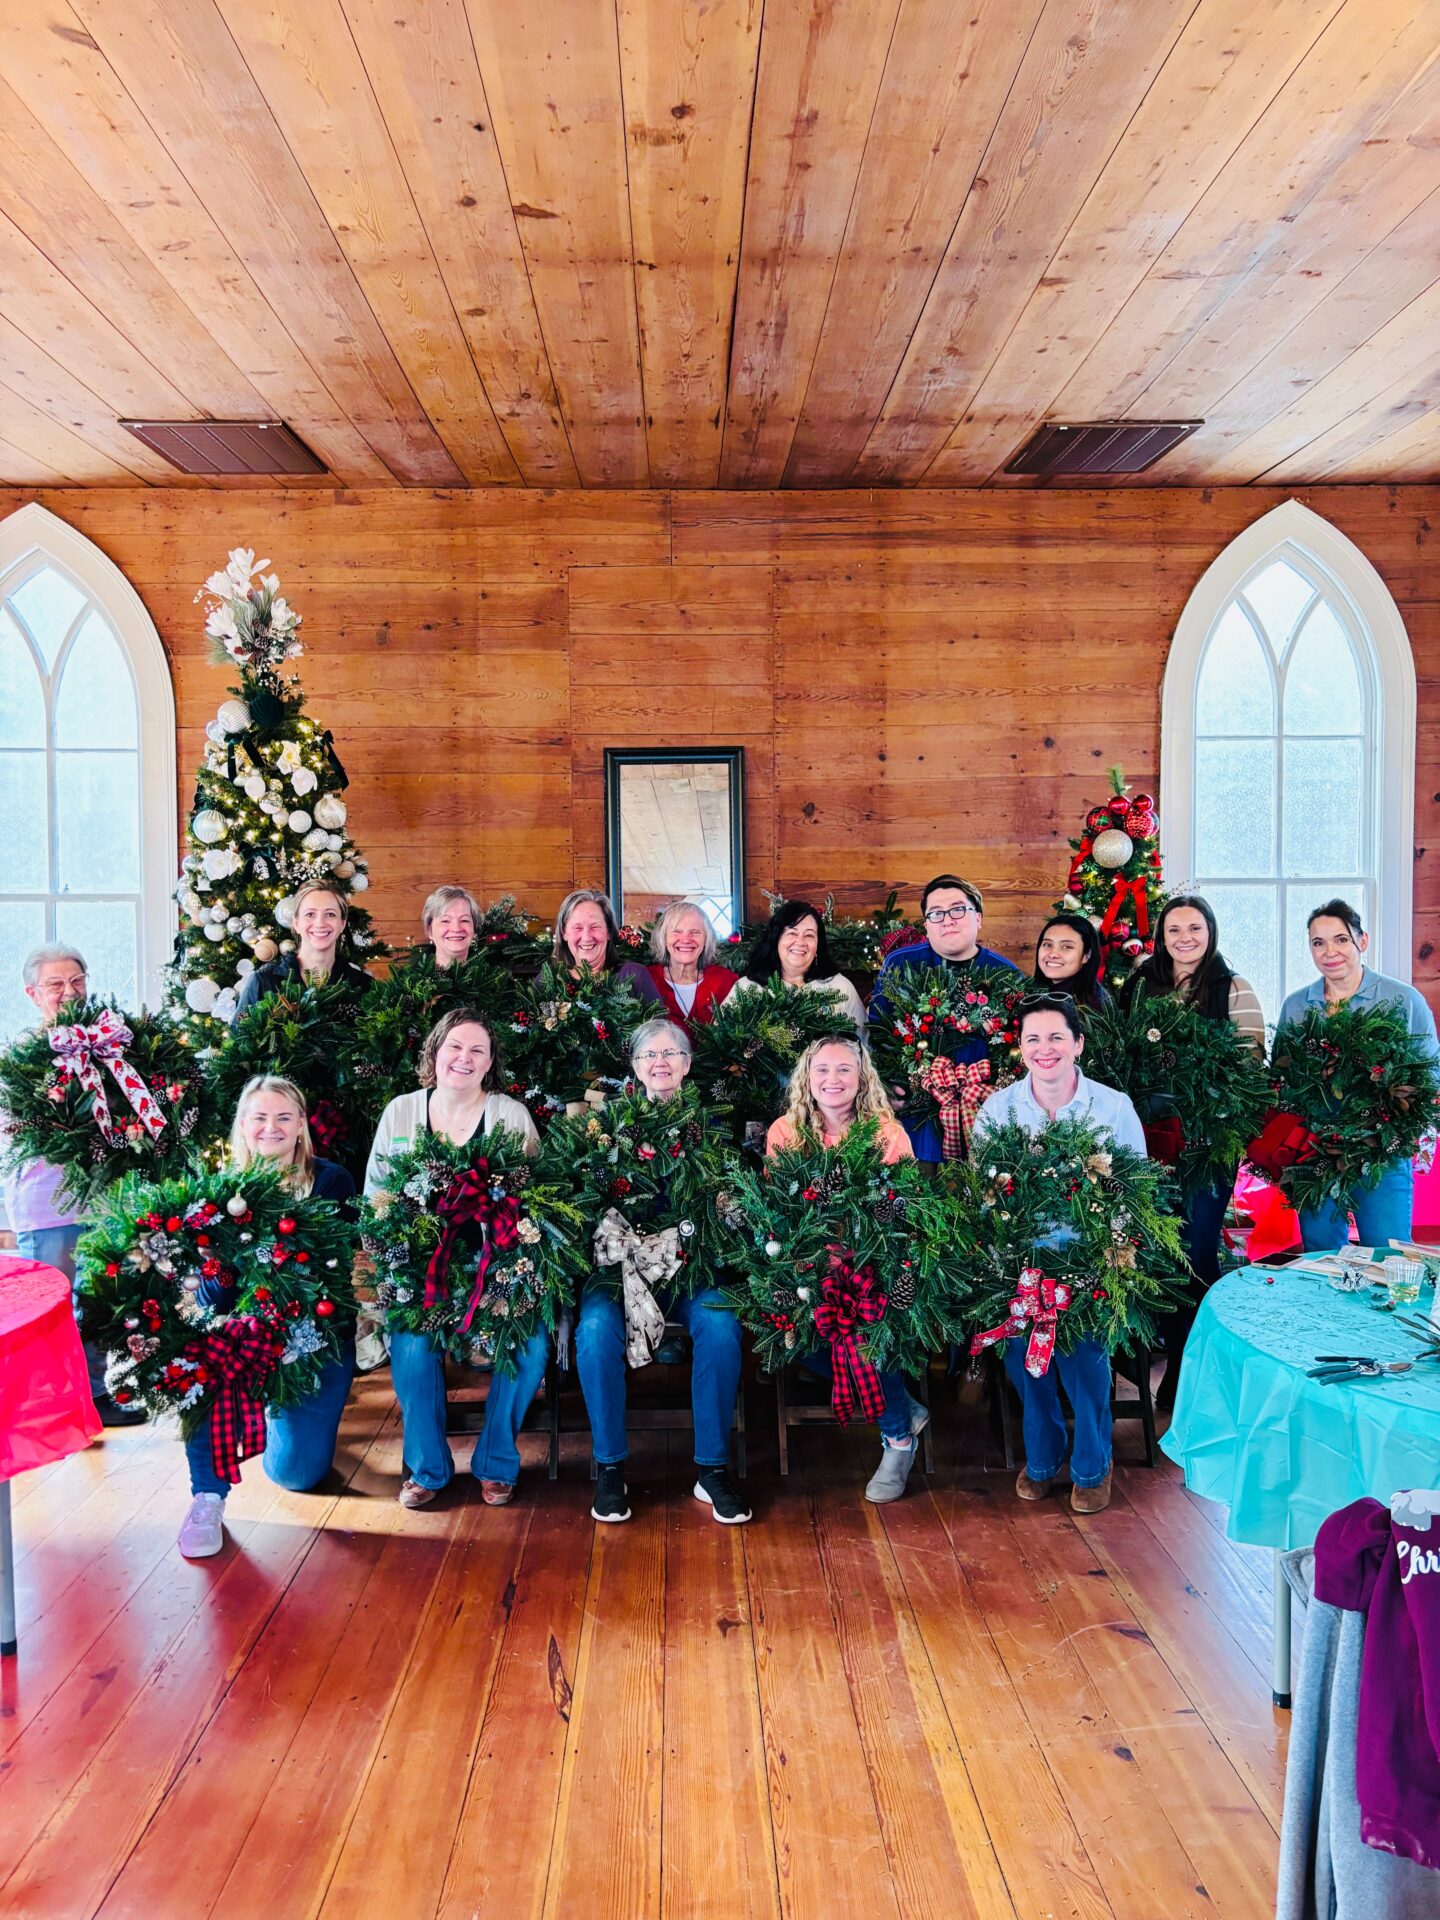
792	948
457	1065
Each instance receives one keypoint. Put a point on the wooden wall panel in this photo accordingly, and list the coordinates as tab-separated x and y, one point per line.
920	680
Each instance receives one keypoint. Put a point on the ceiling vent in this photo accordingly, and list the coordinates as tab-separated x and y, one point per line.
226	446
1099	446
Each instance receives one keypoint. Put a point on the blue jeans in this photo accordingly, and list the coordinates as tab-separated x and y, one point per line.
299	1441
714	1372
1085	1376
418	1372
1381	1213
894	1422
55	1247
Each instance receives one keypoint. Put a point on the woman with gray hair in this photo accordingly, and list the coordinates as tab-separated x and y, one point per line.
451	919
586	935
690	981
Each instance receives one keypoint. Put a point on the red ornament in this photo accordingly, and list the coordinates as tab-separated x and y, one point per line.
1144	803
287	1225
324	1309
1097	819
262	1293
302	1258
202	1239
1120	808
111	1269
122	1397
172	1225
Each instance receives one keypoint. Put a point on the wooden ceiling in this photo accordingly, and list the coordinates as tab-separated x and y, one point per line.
701	243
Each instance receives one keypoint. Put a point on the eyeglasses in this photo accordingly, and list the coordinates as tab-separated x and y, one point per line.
942	916
666	1053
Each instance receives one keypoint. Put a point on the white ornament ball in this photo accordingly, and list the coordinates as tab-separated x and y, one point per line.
200	994
330	810
285	911
772	1248
191	902
1112	848
209	826
335	841
212	932
287	946
325	861
242	967
265	949
234	923
235	1206
219	914
303	780
315	839
299	821
248	936
254	788
234	716
359	881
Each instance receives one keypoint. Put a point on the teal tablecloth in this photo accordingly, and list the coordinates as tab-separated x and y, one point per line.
1282	1452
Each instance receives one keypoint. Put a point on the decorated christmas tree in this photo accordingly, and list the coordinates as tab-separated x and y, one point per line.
268	814
1115	876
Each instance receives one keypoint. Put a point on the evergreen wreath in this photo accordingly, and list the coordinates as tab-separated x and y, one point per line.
833	1246
511	937
744	1056
381	1050
1363	1088
225	1288
473	1246
99	1094
931	1008
564	1037
1200	1088
1065	1236
305	1034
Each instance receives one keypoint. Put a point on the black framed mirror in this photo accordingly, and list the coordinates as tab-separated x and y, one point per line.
675	830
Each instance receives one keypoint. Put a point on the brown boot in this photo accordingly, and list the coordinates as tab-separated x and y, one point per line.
1090	1499
1029	1489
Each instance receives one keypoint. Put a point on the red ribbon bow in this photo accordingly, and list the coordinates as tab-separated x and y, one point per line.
850	1299
244	1353
1135	893
1283	1141
1038	1303
959	1091
467	1202
84	1050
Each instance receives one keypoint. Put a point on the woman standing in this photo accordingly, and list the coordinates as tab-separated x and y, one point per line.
1067	959
686	975
586	935
1055	1088
451	918
270	1125
793	949
1187	962
457	1066
318	923
834	1085
660	1056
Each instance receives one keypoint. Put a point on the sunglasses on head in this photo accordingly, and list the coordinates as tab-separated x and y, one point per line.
1045	1003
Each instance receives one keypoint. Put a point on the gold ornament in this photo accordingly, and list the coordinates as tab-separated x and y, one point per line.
264	949
1112	848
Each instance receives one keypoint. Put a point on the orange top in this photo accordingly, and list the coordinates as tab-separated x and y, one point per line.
894	1141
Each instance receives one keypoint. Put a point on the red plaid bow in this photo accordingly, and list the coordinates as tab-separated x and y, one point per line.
960	1092
84	1050
467	1202
850	1300
327	1124
243	1353
1038	1303
1283	1141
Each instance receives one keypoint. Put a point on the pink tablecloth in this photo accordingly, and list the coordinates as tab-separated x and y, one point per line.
45	1405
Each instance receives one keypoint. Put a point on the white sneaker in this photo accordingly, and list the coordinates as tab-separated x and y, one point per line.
202	1531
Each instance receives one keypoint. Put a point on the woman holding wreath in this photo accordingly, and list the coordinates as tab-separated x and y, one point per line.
1054	1088
793	949
690	982
318	922
660	1056
270	1124
587	935
458	1065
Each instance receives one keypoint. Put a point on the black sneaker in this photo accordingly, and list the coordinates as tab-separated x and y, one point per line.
610	1503
112	1414
712	1485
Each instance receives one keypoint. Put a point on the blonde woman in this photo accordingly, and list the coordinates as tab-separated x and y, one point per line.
318	923
451	919
689	980
834	1085
270	1124
458	1065
586	935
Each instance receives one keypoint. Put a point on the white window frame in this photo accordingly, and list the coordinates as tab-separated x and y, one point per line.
1390	701
31	536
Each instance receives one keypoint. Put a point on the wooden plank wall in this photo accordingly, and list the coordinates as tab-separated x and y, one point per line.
919	680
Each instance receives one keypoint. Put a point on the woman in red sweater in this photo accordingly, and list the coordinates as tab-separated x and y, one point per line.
684	968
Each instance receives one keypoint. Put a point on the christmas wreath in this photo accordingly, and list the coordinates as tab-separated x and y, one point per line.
565	1036
1201	1090
381	1052
473	1246
1354	1090
835	1248
303	1033
930	1009
508	935
1065	1237
100	1093
221	1292
745	1055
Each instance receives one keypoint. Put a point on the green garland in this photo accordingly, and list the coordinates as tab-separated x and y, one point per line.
154	1247
565	1036
1173	1062
660	1163
381	1050
930	1009
303	1035
789	1216
1097	1217
50	1115
528	1283
745	1055
1364	1086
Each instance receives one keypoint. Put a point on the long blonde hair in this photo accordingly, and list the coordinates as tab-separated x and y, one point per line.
300	1174
871	1100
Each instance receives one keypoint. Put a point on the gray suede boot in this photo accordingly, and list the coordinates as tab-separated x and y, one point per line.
889	1478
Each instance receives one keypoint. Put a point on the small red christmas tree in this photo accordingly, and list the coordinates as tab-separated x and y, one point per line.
1115	876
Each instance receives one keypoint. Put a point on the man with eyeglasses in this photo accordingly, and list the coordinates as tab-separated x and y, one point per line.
951	909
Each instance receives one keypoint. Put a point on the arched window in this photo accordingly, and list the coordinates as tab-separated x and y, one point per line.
1288	752
87	766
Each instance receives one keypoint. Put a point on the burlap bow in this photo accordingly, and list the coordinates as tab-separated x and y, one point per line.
645	1260
960	1092
1038	1303
84	1050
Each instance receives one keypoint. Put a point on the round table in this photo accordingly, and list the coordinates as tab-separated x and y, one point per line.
1284	1452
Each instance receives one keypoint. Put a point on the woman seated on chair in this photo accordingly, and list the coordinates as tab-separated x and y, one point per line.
833	1085
1054	1088
270	1124
660	1057
459	1064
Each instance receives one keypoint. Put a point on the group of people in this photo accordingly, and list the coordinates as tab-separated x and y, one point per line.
834	1086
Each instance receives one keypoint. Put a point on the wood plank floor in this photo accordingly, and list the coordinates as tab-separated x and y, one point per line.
954	1705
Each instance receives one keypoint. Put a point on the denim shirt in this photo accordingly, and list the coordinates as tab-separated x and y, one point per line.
1374	990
